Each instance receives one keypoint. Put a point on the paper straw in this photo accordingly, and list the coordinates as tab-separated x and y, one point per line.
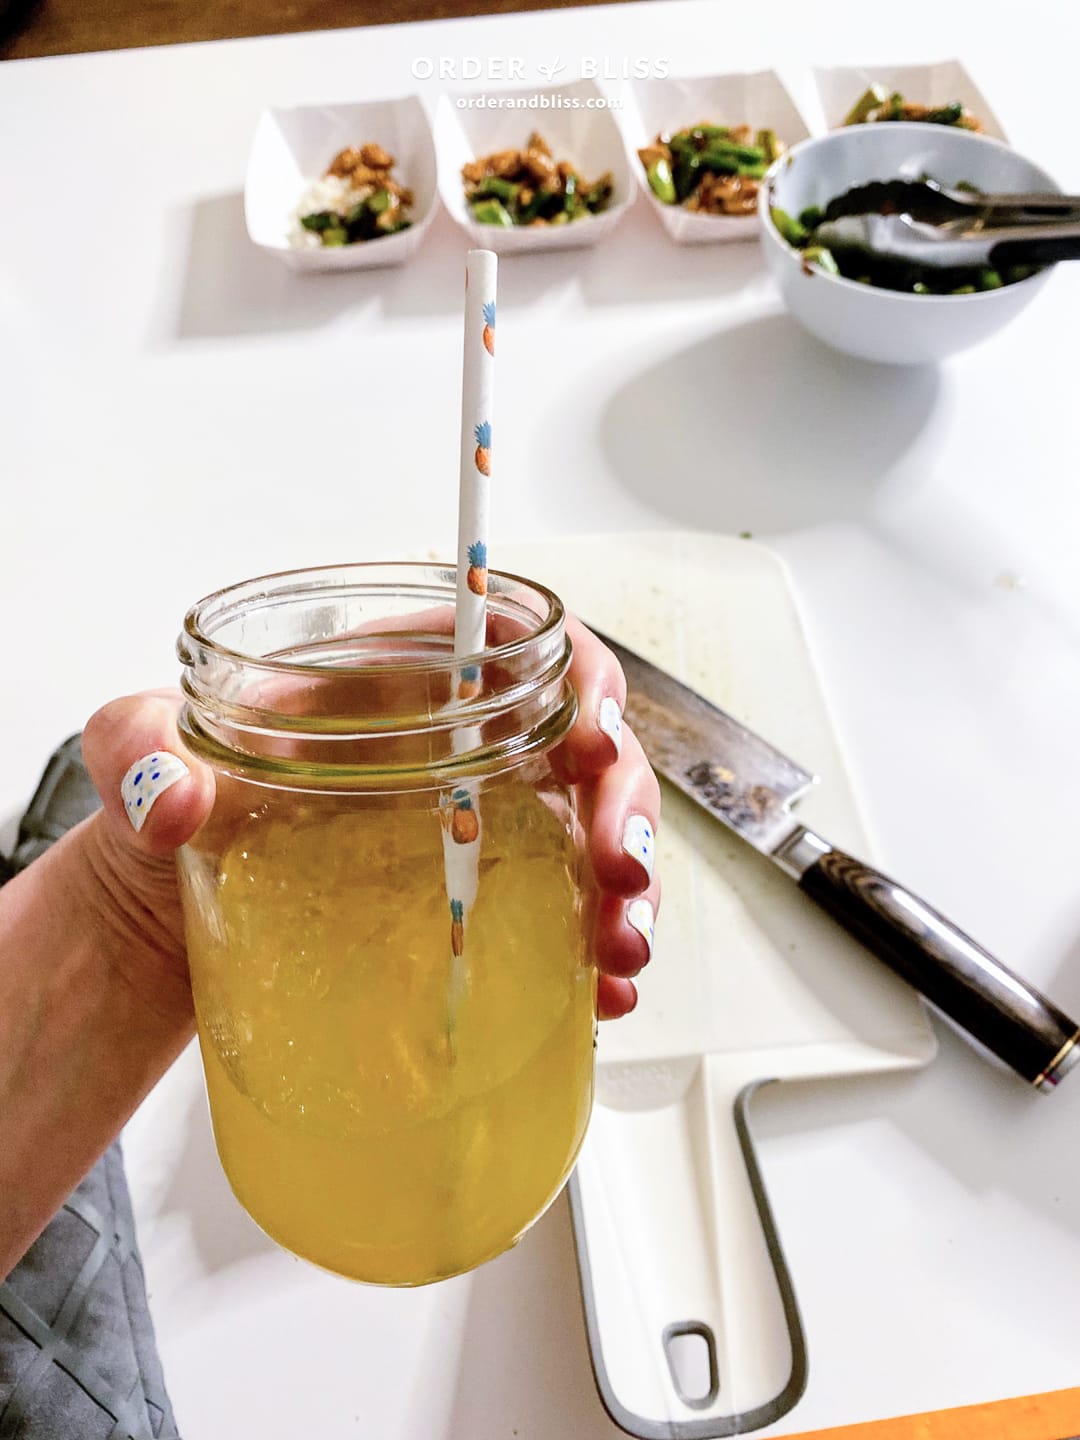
477	388
461	808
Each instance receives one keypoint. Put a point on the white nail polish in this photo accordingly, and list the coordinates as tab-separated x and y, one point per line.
639	842
640	915
610	722
146	780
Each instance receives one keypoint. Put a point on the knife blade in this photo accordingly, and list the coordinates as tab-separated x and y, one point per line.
752	788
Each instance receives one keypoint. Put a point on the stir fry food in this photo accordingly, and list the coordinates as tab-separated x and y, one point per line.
356	199
713	169
877	103
531	187
887	272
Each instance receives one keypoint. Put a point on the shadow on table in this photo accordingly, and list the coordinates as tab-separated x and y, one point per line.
760	427
231	287
222	1232
978	1121
524	1352
641	264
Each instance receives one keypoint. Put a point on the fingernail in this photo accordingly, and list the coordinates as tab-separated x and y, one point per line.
639	842
642	917
146	780
610	722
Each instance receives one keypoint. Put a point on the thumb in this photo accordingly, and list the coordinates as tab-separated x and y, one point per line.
155	793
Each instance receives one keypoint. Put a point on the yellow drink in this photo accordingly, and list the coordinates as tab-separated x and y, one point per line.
374	1113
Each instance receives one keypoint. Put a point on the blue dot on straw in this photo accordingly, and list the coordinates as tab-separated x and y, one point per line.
156	775
138	777
139	801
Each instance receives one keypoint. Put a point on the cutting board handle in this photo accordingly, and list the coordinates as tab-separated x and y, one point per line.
704	1283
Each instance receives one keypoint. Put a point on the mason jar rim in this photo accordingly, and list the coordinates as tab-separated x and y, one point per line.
197	615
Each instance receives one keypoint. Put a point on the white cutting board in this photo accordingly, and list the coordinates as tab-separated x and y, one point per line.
748	983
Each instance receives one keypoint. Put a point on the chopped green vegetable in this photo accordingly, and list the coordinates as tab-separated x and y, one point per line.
945	115
811	217
320	220
598	196
335	235
963	290
867	102
379	202
661	182
769	144
821	257
495	188
490	212
990	280
723	153
794	233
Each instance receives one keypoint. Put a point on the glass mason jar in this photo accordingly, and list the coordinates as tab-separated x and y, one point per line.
399	1085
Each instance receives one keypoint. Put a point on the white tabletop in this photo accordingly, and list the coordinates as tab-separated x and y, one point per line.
178	411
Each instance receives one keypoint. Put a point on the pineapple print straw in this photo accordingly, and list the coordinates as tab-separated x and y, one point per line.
461	810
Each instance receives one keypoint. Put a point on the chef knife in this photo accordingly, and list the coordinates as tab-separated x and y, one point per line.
752	788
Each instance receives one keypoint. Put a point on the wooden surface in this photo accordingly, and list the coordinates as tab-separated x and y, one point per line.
64	27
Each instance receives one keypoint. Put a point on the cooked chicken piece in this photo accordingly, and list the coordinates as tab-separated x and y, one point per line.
344	163
504	163
376	157
537	142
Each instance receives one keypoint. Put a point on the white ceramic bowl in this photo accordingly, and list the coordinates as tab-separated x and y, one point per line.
293	147
575	128
656	105
886	325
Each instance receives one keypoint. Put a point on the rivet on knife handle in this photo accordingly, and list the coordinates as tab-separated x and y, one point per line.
999	1009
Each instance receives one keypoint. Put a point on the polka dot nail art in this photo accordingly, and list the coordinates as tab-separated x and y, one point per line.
146	780
639	842
610	722
642	917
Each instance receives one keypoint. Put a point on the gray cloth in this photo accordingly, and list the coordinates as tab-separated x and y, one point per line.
78	1359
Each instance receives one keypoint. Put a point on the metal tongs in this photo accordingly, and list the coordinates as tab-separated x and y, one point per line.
921	222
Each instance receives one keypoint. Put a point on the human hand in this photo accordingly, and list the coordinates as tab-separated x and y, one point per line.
156	795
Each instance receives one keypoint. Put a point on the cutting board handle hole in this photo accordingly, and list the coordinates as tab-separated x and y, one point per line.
691	1355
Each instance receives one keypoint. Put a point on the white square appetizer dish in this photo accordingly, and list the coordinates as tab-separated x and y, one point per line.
668	127
577	170
854	94
318	180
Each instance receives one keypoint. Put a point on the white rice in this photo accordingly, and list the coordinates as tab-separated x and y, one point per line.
329	192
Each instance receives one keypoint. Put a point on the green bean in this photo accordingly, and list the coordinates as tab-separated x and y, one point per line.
754	172
866	104
335	235
717	156
490	212
963	290
811	217
990	280
379	202
496	188
794	233
661	182
598	196
945	115
767	141
823	258
320	220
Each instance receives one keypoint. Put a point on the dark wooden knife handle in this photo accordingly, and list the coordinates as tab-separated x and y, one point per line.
999	1009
